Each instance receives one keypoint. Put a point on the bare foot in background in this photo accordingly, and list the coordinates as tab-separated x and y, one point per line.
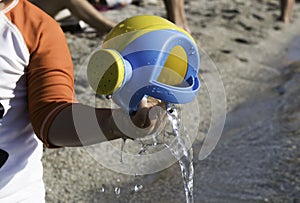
286	10
176	13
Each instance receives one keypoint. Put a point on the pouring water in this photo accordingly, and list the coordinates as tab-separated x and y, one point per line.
178	148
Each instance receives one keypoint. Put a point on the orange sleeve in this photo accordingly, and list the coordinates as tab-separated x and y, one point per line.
50	74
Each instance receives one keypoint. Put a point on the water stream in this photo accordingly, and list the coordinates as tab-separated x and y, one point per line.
179	148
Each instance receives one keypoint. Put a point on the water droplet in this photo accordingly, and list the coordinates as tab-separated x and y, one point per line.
155	142
102	189
143	150
118	192
122	150
138	188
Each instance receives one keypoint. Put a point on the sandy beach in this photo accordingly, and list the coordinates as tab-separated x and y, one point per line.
257	158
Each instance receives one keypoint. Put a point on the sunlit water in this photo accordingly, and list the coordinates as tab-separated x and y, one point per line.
182	153
178	147
117	191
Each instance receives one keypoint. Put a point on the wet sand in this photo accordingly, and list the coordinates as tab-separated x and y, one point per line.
257	158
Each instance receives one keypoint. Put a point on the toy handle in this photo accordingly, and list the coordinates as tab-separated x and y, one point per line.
167	93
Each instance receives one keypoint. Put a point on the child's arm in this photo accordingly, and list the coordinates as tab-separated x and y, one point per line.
79	125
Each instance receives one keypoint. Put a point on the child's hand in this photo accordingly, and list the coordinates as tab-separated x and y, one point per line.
146	121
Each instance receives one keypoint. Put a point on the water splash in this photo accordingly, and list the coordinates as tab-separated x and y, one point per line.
137	188
182	153
179	147
122	149
117	192
143	149
155	141
102	189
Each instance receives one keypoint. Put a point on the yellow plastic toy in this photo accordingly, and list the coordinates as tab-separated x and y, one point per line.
146	56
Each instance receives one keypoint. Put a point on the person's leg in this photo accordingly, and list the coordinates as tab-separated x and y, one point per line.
81	9
176	13
286	9
50	7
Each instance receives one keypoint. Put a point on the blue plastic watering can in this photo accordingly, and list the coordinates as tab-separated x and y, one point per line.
146	56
